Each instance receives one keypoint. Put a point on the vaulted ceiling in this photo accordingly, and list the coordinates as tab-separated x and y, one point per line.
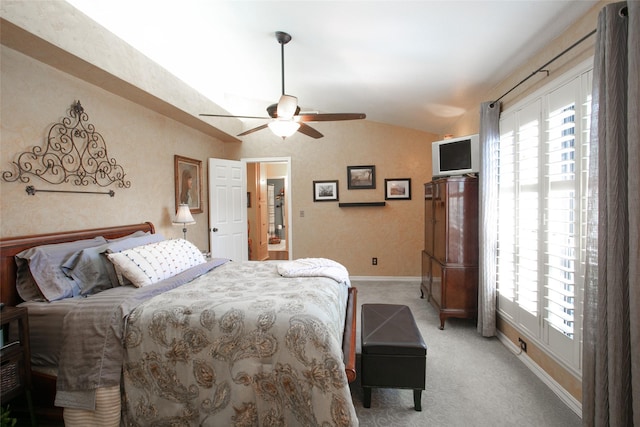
416	64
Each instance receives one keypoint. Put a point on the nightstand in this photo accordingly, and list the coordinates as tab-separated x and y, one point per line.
15	357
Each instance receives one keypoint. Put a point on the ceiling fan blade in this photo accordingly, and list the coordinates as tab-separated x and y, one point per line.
309	131
329	117
235	117
287	106
287	112
247	132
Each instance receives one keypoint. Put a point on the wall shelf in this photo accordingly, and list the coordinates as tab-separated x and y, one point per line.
361	204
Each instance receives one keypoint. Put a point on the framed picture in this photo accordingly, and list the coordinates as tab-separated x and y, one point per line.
325	191
188	180
397	189
361	177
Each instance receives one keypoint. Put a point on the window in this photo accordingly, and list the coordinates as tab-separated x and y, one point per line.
542	213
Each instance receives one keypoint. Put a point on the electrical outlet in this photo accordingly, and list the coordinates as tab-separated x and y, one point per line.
523	344
374	261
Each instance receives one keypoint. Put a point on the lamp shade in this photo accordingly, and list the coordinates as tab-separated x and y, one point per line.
183	216
283	128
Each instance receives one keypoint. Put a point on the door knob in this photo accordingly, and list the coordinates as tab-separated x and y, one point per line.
214	229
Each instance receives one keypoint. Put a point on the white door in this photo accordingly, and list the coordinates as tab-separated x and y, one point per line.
228	209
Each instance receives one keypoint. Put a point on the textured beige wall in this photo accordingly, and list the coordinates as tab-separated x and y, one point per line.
143	142
53	55
568	380
393	233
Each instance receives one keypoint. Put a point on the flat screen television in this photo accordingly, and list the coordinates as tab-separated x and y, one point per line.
456	156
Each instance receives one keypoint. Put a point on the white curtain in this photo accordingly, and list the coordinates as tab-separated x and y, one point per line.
611	341
488	221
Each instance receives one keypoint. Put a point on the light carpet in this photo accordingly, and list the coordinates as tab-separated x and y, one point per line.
471	380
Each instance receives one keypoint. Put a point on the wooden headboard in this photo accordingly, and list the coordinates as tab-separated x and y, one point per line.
11	246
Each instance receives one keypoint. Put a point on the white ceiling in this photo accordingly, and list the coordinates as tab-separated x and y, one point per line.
417	64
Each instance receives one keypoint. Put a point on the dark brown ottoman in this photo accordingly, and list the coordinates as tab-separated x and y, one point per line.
393	351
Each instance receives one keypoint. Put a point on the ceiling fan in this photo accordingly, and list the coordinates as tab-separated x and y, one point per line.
285	115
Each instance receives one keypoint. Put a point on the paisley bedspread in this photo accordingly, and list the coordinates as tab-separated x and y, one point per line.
239	346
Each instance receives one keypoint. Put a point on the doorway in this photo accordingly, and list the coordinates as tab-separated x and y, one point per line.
269	208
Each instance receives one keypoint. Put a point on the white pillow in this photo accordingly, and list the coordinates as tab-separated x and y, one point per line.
148	264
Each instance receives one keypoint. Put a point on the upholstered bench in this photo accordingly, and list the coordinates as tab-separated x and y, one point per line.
393	351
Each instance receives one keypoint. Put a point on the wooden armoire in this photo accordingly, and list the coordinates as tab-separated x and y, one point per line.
450	255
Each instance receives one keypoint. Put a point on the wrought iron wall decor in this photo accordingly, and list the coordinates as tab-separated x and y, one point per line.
74	153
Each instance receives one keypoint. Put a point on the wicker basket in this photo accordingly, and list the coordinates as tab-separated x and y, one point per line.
10	376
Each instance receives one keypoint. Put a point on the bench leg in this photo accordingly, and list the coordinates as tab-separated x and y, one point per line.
417	399
367	397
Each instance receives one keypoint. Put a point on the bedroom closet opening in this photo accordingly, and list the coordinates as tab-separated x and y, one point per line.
268	209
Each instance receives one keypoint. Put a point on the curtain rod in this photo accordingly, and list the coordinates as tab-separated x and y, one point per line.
31	190
543	66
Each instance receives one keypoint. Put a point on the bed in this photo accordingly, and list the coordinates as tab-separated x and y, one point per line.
222	343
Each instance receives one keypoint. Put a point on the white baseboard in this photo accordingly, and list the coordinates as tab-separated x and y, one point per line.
567	398
416	279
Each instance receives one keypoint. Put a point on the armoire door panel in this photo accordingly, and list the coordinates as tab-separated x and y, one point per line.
450	255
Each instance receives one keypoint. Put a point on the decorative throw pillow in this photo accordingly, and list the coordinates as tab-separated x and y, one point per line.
89	268
92	270
123	244
148	264
39	272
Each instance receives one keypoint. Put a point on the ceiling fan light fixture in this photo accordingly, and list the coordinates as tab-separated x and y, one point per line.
287	106
284	128
285	115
